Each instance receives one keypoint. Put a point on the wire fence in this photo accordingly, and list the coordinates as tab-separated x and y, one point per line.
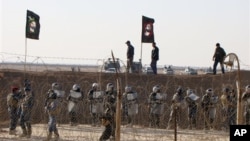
142	84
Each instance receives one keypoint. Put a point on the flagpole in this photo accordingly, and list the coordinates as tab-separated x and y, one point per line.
141	53
25	56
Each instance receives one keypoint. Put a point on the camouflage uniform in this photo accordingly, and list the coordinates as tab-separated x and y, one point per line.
246	99
26	108
13	108
191	100
156	106
52	108
129	104
75	96
228	101
95	98
110	106
208	103
178	103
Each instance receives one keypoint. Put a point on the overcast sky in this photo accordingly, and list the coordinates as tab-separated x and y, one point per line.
186	31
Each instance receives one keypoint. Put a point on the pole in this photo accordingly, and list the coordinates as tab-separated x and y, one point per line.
118	104
141	53
25	56
239	99
175	124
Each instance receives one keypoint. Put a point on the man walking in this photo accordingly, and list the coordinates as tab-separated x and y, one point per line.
154	57
218	57
130	57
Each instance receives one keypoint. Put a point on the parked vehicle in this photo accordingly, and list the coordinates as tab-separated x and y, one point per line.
147	70
110	70
168	70
190	71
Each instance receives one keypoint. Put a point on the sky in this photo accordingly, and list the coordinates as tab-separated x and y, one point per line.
186	31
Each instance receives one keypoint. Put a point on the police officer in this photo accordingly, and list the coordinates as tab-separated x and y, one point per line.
74	97
246	99
52	108
129	104
110	106
26	108
208	103
177	106
191	100
95	98
225	99
156	106
13	99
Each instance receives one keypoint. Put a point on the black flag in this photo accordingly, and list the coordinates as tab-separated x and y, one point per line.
32	25
147	35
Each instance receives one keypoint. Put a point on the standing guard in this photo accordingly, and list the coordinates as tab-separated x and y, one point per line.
95	98
246	99
13	99
178	103
75	96
191	100
208	104
26	108
130	105
52	109
156	106
110	106
225	99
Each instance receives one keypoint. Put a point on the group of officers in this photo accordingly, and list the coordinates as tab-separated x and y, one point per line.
102	107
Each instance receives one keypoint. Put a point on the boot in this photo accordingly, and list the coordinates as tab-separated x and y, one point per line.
24	134
12	132
56	135
29	132
49	136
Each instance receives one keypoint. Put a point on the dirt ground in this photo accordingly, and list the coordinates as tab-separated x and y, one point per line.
89	133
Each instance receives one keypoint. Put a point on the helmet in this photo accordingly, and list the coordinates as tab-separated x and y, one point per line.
209	91
248	88
95	85
179	90
55	86
76	87
128	89
189	91
226	90
156	88
52	95
109	87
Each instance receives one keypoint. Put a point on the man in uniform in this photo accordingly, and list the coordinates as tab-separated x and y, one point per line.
26	108
110	106
129	105
191	100
95	98
208	104
13	107
156	106
225	99
246	99
52	108
177	106
75	96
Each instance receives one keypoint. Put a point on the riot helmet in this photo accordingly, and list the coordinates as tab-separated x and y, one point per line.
55	86
156	89
76	88
128	89
110	87
248	88
95	86
209	91
179	90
